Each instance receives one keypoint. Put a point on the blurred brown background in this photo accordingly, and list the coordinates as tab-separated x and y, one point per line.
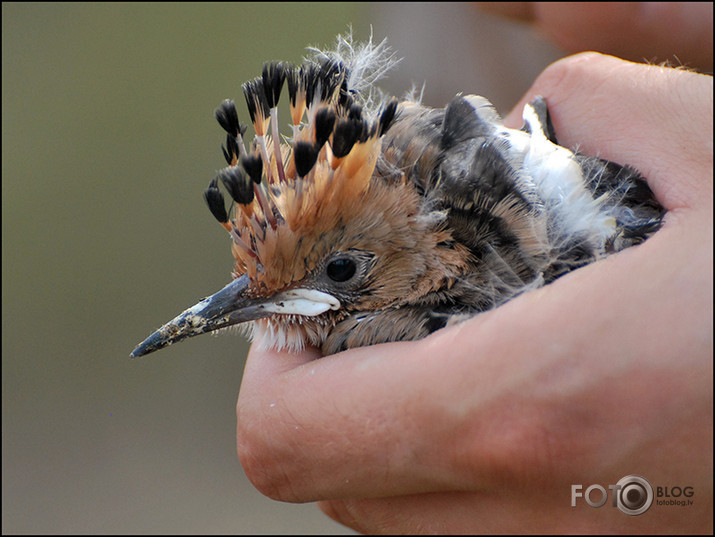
108	140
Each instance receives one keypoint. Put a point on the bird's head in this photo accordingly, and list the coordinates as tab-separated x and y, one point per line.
317	234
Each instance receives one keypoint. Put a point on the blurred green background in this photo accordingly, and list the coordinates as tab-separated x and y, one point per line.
108	139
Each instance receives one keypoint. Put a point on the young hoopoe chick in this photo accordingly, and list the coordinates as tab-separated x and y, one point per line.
385	222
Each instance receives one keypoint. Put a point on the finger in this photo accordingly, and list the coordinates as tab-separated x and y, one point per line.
456	513
535	511
261	391
638	31
623	112
501	400
309	431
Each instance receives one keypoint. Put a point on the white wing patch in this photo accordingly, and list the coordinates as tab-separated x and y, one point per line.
559	180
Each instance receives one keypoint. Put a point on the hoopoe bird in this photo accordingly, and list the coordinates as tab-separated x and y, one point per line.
381	220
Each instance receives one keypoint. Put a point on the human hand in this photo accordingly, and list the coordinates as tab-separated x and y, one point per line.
637	31
484	426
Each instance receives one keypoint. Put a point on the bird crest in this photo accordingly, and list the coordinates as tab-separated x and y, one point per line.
381	220
285	197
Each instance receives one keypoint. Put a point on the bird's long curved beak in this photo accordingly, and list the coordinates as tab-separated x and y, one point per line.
231	306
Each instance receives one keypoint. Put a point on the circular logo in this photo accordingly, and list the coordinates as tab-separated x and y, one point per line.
634	495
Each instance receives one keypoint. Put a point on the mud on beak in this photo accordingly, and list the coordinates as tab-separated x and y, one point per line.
231	306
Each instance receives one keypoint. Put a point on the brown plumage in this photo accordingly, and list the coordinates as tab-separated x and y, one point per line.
386	222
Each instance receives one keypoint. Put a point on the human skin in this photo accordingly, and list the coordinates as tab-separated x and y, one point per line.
677	32
484	426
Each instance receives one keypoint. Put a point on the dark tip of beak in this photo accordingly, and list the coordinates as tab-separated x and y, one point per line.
226	308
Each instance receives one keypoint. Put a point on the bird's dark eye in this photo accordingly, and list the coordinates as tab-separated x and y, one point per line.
341	270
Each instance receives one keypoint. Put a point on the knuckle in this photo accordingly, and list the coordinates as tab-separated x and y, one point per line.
576	64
